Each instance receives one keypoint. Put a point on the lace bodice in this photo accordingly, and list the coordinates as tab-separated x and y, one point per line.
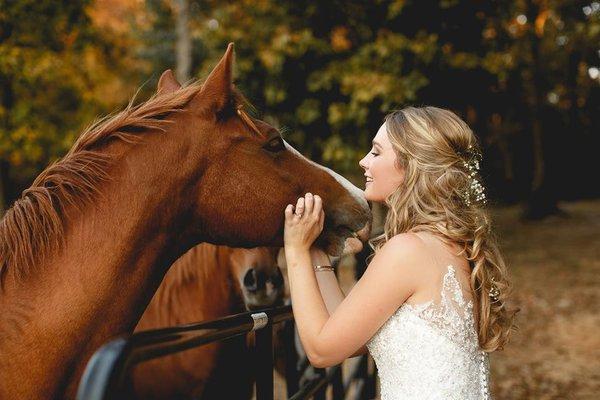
431	350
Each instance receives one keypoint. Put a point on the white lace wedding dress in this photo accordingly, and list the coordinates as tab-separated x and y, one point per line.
430	350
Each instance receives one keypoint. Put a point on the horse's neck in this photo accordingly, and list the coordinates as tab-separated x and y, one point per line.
122	245
116	252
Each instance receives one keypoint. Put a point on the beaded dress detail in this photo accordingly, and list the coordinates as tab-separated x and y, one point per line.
431	351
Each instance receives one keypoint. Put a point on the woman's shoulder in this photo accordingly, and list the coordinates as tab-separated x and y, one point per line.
407	244
409	253
405	250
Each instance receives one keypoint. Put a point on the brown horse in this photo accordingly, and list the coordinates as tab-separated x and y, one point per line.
208	282
86	246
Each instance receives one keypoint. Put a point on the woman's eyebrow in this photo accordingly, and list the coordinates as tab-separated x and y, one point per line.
376	144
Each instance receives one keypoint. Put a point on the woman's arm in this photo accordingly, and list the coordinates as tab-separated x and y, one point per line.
392	277
329	287
327	281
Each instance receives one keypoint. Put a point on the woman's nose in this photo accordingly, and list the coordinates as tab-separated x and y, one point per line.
362	163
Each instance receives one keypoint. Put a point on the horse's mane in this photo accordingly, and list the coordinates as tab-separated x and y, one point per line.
201	264
187	269
35	222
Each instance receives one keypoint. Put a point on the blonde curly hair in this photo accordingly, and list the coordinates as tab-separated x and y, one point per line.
435	148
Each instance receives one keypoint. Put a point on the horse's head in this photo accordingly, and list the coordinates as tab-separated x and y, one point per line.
260	279
247	174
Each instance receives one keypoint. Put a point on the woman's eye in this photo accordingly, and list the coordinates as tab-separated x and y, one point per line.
275	145
374	154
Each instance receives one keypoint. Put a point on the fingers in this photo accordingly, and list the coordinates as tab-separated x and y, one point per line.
309	205
289	213
317	206
309	202
299	207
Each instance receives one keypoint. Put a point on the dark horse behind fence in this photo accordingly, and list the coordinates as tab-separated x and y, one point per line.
207	283
86	246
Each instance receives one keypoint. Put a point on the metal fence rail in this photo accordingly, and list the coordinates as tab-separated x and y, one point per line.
107	374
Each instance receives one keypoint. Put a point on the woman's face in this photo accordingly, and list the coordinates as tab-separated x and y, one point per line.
381	170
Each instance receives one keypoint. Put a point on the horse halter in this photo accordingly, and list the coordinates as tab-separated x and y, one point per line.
247	120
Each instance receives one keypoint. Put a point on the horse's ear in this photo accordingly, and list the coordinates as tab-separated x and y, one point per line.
217	90
168	83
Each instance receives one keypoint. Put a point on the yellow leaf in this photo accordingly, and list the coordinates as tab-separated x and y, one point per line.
540	22
339	39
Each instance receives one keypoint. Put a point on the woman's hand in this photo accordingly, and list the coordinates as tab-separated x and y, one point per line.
304	223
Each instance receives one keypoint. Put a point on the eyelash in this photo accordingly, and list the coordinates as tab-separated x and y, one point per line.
374	154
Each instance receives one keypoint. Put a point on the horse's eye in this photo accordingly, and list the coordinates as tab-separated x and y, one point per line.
275	145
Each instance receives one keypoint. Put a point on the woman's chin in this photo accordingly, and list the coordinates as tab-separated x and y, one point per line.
372	198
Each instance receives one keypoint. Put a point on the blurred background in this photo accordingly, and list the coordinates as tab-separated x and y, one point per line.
525	75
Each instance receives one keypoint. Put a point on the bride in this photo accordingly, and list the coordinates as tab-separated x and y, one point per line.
432	304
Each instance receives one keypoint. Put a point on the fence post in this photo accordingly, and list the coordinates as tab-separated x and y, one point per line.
264	352
371	379
322	392
292	376
338	385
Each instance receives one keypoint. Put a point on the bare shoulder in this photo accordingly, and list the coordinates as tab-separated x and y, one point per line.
405	253
405	247
407	242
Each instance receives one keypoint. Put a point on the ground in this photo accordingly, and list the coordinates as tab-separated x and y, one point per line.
555	264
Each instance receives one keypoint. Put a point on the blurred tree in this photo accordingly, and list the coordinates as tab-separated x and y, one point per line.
539	51
524	74
57	73
33	35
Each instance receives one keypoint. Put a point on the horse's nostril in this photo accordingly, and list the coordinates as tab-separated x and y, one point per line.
277	279
250	280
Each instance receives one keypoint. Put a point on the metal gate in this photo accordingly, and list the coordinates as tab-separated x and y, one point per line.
106	376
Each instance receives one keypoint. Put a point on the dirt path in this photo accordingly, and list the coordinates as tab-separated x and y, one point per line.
555	264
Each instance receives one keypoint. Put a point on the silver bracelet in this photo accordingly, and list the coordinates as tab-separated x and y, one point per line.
319	268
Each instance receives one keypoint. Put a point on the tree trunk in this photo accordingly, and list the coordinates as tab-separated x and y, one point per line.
3	195
7	100
542	200
184	42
